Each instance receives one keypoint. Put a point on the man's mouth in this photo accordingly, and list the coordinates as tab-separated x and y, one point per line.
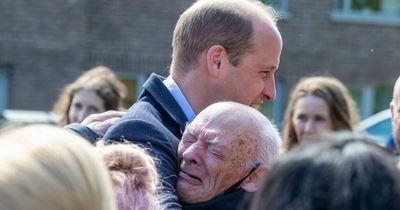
190	178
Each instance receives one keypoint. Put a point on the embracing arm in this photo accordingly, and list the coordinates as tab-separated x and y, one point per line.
94	126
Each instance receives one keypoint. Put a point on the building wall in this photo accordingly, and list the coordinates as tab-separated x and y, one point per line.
354	52
359	54
47	44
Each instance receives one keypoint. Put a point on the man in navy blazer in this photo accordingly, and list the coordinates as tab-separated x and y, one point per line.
223	50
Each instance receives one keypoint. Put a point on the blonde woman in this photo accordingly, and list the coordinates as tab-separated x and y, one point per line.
47	168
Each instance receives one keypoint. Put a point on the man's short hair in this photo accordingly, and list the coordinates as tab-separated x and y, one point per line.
217	22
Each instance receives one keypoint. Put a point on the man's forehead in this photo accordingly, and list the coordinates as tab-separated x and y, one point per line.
218	131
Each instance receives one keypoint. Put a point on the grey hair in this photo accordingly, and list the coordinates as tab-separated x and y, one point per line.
269	143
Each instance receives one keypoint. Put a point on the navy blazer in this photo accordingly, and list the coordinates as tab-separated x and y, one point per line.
155	122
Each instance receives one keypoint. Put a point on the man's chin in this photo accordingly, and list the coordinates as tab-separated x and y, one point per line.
187	195
187	198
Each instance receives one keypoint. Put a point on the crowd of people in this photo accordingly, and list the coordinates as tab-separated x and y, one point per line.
195	140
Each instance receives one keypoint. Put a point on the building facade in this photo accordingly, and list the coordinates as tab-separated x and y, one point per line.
45	45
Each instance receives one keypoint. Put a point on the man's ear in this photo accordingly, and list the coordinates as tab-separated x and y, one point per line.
215	59
253	182
392	109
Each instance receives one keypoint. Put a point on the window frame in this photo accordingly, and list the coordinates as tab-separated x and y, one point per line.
282	8
4	70
347	14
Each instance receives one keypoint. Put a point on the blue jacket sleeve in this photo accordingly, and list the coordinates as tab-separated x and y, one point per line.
83	131
158	142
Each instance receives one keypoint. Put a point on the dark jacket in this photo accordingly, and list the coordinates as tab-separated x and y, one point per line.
156	122
238	200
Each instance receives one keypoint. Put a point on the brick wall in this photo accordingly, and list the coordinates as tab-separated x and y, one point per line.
49	43
355	53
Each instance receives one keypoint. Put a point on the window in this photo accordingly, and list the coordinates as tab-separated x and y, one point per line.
134	82
371	99
3	88
367	11
281	6
383	97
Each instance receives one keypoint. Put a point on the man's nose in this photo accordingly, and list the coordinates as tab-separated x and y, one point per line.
269	90
191	155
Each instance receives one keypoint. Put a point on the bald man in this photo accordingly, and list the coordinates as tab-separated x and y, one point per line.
223	154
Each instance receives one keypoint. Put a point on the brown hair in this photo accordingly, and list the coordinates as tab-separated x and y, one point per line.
102	81
217	22
342	108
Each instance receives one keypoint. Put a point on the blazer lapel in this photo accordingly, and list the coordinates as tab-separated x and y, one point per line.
155	86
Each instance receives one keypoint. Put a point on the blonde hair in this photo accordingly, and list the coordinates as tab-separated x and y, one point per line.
133	174
45	167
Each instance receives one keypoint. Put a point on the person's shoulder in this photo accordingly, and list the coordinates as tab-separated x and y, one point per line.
83	131
132	127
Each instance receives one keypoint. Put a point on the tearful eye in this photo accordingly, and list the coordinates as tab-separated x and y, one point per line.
188	139
217	155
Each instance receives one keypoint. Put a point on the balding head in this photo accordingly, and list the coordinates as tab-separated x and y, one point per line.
242	120
222	146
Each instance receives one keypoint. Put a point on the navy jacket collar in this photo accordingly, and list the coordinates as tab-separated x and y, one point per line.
155	86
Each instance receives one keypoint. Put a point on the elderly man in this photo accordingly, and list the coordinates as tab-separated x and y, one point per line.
395	110
223	154
222	50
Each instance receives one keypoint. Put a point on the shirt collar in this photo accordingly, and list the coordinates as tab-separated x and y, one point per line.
180	98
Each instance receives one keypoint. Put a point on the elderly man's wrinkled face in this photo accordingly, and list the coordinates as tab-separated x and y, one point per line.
214	154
